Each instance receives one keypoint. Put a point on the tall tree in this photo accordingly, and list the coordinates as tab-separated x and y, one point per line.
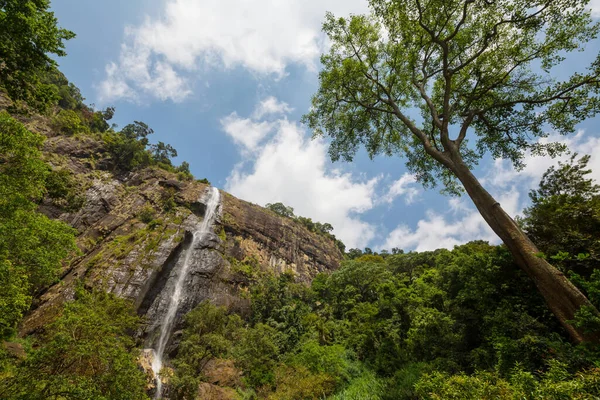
32	246
564	216
474	69
28	33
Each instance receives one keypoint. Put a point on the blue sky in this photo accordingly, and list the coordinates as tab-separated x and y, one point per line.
226	81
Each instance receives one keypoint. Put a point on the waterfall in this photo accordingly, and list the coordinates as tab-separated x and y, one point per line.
176	296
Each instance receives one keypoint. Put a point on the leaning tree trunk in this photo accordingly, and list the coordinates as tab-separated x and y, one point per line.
561	296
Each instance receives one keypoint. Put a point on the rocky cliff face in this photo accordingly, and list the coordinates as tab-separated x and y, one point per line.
134	226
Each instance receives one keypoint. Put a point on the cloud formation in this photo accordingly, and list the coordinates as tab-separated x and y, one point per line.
406	187
291	168
463	223
595	7
160	57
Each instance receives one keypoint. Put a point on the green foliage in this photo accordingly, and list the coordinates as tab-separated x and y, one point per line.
70	96
28	34
183	172
23	171
476	76
279	303
402	384
209	333
69	122
204	180
212	332
127	153
300	383
15	297
256	352
31	245
98	120
332	360
281	209
146	214
62	187
564	217
465	323
168	199
470	70
247	270
130	149
557	384
366	386
87	353
162	153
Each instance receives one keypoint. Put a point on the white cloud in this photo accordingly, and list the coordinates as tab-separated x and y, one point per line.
114	86
271	106
405	186
159	57
503	174
137	72
294	170
595	7
463	223
250	132
441	231
245	131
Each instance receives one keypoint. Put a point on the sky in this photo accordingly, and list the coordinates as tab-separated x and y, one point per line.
226	82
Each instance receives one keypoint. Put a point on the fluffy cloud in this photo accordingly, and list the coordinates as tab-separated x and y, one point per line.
250	132
446	231
595	6
406	187
159	57
271	106
463	223
245	131
503	174
292	169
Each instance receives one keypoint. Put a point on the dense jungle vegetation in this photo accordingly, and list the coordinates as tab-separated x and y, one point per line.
466	323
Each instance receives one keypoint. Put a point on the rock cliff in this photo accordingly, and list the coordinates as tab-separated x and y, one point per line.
133	227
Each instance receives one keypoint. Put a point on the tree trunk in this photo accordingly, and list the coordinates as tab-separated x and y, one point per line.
561	296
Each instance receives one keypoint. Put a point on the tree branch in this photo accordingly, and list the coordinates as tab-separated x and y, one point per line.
464	128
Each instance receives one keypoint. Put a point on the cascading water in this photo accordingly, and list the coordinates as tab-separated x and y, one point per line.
169	318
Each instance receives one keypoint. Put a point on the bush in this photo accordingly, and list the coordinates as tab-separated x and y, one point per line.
557	384
127	153
63	189
331	360
86	354
256	352
32	246
300	383
209	333
146	214
68	122
184	174
366	386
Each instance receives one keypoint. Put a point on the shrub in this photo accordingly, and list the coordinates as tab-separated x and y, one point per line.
209	332
68	122
256	352
146	214
184	174
557	384
62	187
364	387
127	153
87	353
300	383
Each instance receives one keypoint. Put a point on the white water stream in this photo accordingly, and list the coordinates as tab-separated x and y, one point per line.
169	319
